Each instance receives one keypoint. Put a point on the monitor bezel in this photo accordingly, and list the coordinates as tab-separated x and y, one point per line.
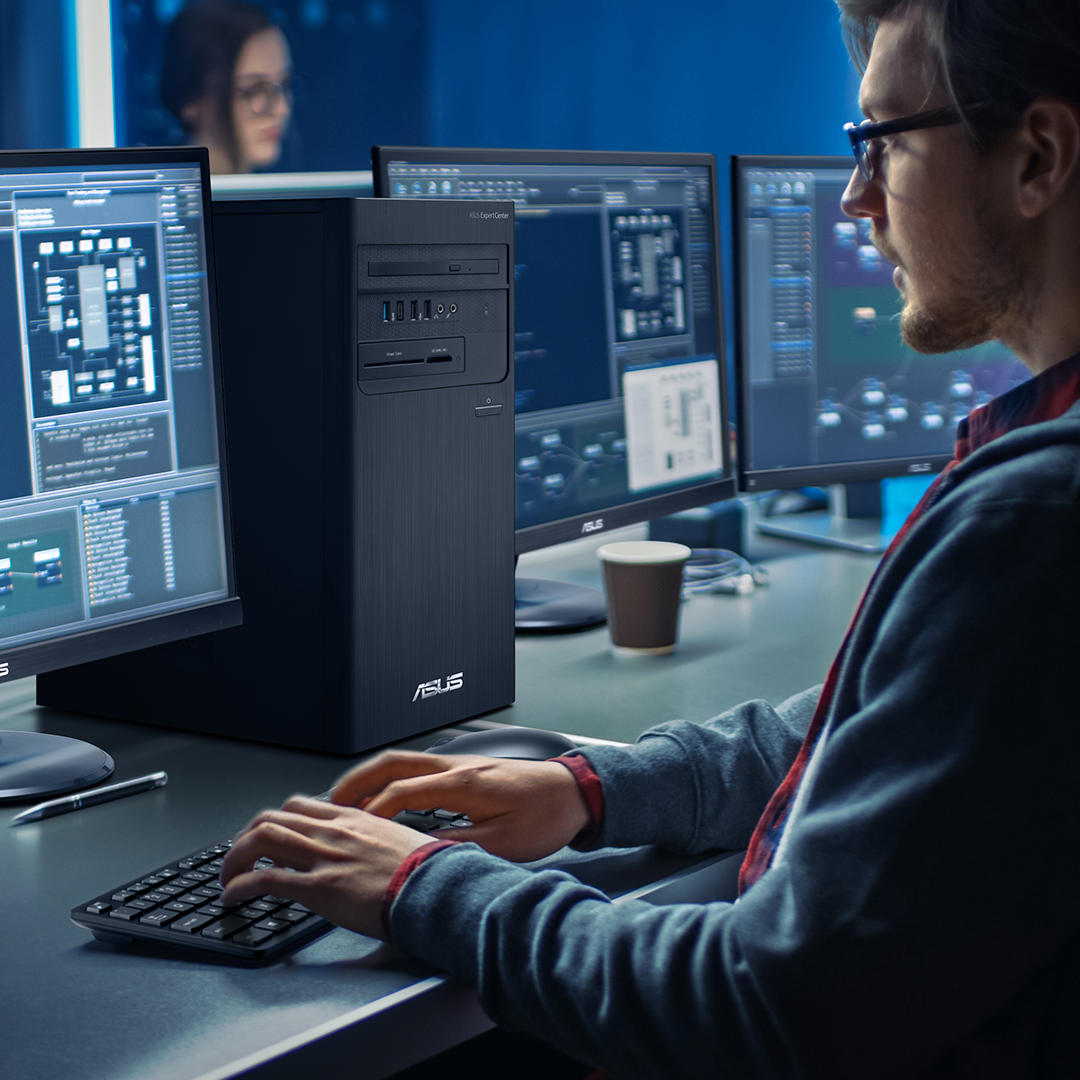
580	526
96	643
821	474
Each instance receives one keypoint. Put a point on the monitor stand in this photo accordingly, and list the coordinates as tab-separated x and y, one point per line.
556	606
853	521
33	764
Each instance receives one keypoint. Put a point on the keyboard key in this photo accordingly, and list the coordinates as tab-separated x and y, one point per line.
275	926
276	899
300	907
291	916
264	905
198	876
142	905
124	895
156	897
158	918
167	875
170	890
208	890
224	927
251	912
99	907
213	910
190	923
190	864
251	936
176	905
128	914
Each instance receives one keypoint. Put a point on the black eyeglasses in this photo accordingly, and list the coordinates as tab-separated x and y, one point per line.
262	97
863	136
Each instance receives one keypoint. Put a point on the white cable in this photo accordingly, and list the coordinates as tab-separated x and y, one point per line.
720	571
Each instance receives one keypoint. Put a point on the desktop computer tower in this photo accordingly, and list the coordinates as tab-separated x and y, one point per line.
368	381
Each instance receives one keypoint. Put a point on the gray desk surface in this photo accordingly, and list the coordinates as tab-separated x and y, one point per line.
71	1006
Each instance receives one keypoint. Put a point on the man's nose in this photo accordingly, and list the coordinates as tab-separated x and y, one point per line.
861	198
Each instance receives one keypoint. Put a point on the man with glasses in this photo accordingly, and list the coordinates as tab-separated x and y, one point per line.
910	899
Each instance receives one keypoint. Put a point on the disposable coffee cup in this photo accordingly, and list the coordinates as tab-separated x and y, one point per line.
643	582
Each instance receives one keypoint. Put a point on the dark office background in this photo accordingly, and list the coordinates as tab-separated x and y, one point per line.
719	75
726	76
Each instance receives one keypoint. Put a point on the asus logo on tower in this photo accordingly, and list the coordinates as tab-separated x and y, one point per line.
435	686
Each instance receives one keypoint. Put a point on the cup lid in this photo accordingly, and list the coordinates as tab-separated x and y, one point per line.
644	551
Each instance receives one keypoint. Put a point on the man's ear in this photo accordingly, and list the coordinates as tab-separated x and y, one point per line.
1049	136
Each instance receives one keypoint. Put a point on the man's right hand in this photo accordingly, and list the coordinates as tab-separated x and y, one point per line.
520	810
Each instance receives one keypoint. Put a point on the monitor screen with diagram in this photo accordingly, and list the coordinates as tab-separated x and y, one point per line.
619	399
113	503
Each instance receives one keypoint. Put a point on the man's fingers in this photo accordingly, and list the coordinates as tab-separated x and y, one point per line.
272	881
369	779
295	816
304	804
288	840
452	790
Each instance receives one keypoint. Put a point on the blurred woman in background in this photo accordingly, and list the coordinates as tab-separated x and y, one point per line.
227	77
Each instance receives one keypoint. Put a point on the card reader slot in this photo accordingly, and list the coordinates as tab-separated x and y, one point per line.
415	358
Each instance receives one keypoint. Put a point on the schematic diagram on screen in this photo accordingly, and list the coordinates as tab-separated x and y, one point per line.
648	277
94	317
673	428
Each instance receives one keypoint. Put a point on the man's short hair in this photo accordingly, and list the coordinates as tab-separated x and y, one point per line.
1002	54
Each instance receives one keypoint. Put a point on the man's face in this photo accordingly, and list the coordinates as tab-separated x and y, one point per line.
936	206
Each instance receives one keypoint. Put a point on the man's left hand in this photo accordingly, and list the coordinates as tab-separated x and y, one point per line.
335	860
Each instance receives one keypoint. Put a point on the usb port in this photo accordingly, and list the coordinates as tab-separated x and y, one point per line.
427	309
415	307
400	310
386	311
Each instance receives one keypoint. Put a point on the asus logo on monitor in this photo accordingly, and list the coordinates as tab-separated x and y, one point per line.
923	466
435	686
593	526
3	671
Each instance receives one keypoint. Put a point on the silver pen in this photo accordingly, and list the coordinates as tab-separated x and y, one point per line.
91	798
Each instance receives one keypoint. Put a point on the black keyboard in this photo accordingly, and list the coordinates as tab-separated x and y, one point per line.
178	905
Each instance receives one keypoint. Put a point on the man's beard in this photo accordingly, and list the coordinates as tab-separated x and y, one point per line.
978	300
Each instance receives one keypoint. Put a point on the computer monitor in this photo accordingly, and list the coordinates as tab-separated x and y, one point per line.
230	187
827	392
114	522
620	402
